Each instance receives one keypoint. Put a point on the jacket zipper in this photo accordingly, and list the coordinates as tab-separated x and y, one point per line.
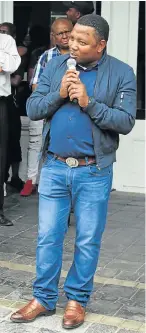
98	167
121	99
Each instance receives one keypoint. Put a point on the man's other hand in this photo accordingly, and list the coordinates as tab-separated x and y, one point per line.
71	76
78	91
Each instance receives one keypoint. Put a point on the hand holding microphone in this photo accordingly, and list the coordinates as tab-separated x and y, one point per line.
72	86
71	65
70	76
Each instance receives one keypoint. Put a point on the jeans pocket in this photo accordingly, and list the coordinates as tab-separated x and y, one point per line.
94	171
48	160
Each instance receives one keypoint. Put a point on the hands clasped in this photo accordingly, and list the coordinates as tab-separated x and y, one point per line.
72	86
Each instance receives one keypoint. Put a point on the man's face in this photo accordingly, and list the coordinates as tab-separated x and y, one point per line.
4	30
61	34
73	15
84	46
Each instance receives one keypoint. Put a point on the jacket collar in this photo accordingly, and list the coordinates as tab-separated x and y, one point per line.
99	63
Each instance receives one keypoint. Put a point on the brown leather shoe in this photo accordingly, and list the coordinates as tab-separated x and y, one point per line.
30	312
74	315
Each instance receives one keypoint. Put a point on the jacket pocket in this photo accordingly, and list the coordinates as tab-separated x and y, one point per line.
109	141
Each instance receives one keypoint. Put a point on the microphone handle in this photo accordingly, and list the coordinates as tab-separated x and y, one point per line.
75	101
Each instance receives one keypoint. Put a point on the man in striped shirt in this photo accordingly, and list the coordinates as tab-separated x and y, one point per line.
60	31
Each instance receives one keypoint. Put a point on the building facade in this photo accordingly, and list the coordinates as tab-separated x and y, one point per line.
124	20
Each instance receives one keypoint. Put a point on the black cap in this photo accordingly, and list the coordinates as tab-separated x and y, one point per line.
84	7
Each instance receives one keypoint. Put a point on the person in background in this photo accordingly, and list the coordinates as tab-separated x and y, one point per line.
9	62
79	150
14	122
76	9
40	38
60	30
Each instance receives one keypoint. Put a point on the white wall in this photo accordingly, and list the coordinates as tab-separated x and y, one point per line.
6	11
123	16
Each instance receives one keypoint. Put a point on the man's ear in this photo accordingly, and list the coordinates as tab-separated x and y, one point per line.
78	15
101	45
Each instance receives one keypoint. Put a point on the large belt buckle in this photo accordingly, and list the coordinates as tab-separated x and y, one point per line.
72	162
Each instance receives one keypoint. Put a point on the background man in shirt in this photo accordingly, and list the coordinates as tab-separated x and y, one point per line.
81	143
76	9
9	62
61	29
14	122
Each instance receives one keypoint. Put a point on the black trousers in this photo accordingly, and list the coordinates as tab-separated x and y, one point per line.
3	145
14	135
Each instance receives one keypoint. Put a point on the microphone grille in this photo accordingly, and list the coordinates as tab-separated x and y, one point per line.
71	63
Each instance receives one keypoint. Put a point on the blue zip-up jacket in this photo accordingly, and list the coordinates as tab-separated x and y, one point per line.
112	109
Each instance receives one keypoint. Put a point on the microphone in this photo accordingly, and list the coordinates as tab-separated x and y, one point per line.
71	64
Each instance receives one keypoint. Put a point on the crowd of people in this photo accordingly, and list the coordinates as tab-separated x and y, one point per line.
81	110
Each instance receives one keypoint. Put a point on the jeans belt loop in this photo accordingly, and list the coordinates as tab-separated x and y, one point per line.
86	160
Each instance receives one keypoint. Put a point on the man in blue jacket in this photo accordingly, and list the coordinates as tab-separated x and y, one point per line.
81	140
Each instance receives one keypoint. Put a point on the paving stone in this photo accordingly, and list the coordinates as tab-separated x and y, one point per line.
7	256
28	251
134	257
107	272
132	313
6	290
66	265
7	248
142	278
45	330
20	294
95	328
124	265
129	276
18	242
139	298
125	216
21	276
62	301
99	295
4	312
55	323
2	239
30	235
136	249
104	261
20	259
9	327
2	281
103	307
14	283
117	291
125	331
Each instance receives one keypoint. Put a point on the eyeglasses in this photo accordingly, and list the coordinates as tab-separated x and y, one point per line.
60	34
4	32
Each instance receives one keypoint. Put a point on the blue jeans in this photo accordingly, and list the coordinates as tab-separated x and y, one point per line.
87	189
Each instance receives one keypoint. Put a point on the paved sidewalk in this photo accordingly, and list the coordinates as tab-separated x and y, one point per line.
117	302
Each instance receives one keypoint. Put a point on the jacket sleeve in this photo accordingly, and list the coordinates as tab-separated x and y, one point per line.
121	117
42	103
9	57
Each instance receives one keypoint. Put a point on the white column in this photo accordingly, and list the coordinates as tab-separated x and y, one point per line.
123	17
6	11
